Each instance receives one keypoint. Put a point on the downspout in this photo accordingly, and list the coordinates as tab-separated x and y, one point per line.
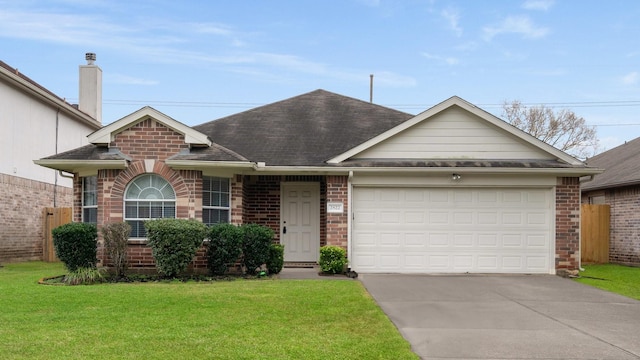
55	183
349	215
65	175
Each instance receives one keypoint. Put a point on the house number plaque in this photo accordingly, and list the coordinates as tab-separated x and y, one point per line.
335	208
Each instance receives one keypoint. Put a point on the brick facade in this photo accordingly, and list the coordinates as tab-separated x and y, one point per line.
624	223
337	224
567	224
23	201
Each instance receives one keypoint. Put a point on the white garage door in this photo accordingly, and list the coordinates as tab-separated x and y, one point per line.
443	230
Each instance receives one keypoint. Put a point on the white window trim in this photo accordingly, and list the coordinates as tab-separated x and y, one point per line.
228	208
125	200
83	206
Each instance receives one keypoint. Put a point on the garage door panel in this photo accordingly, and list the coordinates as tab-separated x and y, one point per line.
422	230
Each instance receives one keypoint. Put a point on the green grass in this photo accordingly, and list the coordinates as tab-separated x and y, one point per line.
242	319
623	280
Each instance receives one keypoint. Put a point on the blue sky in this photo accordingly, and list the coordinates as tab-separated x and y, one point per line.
201	60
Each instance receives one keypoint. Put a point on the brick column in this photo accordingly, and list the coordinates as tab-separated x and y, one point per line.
337	230
567	225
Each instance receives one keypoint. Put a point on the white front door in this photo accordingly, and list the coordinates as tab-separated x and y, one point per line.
300	221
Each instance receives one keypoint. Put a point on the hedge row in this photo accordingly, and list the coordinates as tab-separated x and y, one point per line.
174	243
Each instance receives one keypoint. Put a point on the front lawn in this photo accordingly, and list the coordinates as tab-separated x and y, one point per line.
623	280
242	319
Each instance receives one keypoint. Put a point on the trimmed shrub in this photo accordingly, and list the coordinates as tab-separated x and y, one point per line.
224	248
76	245
116	236
255	246
174	243
332	259
275	262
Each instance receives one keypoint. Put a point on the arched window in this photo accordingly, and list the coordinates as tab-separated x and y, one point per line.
148	197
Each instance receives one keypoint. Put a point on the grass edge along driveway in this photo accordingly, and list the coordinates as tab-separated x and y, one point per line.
242	319
619	279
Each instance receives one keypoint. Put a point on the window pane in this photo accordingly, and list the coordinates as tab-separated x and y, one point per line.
215	216
155	210
144	210
169	211
150	185
137	229
90	215
131	210
89	190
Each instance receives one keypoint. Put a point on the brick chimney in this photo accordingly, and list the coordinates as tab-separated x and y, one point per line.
90	99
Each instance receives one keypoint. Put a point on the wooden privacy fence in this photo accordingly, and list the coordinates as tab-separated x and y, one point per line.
52	218
595	233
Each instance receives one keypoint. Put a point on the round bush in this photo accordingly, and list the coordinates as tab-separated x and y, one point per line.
332	259
76	245
174	243
255	246
224	248
275	262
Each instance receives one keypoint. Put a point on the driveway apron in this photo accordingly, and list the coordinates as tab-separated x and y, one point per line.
507	317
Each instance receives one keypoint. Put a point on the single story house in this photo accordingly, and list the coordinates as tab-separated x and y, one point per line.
453	189
619	187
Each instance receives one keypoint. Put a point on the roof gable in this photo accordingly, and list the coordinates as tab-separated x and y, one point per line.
621	164
455	129
107	134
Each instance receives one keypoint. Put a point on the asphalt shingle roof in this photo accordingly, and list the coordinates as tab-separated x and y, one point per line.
305	130
88	152
621	164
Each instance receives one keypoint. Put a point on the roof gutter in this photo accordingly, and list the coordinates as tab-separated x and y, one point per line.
474	170
198	164
73	166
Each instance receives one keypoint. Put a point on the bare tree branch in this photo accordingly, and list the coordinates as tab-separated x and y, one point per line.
563	129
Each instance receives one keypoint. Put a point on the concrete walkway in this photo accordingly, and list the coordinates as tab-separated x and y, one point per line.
508	317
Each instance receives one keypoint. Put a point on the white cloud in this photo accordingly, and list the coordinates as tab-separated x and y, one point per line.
631	78
453	18
442	59
515	25
538	4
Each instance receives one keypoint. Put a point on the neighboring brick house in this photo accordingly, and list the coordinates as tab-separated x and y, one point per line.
453	189
619	187
34	123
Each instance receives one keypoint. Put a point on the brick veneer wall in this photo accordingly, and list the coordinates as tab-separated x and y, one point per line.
21	209
624	239
337	224
147	143
567	224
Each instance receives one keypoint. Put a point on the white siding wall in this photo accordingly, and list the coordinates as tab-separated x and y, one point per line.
453	134
28	132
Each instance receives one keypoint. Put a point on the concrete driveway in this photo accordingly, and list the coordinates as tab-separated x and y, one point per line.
507	317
